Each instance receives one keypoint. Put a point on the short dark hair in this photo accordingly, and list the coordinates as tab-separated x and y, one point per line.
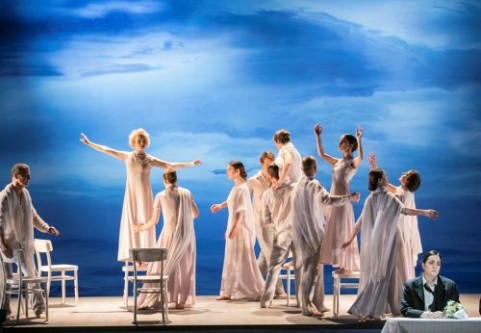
170	176
373	179
351	139
308	165
413	180
273	170
237	165
20	169
282	136
430	253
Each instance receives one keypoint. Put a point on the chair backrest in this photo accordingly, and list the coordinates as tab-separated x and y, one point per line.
43	246
148	254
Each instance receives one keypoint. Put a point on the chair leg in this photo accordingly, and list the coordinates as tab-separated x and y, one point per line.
126	285
135	302
46	305
63	287
19	303
75	281
288	282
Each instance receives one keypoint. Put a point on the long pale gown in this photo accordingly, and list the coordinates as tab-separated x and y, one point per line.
241	277
340	221
137	205
381	287
409	238
178	237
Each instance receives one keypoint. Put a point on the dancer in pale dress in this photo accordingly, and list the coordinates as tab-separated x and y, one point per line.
340	220
241	277
308	200
288	159
179	210
410	240
381	287
258	184
138	191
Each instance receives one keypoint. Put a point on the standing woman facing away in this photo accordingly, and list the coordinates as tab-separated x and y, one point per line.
340	220
138	190
178	237
241	277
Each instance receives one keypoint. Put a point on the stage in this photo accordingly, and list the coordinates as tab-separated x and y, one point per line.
107	314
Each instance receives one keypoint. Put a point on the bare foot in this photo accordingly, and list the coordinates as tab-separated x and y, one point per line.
223	298
180	306
282	296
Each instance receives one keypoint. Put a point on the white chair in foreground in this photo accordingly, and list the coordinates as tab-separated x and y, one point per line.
22	286
159	281
128	270
57	272
340	284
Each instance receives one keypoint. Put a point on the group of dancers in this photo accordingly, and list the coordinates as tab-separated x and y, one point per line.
291	214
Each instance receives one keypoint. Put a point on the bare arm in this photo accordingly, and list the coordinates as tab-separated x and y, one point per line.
235	227
42	226
150	223
121	155
431	213
360	156
174	165
353	235
216	207
373	165
195	210
320	149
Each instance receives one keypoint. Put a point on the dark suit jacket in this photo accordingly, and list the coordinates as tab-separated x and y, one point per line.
412	302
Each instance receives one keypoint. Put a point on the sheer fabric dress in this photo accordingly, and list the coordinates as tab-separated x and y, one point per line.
340	221
178	237
137	205
241	277
381	286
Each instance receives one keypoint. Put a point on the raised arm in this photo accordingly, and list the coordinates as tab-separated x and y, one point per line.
174	165
373	165
121	155
360	156
320	149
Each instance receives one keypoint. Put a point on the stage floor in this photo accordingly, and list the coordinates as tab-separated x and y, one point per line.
107	314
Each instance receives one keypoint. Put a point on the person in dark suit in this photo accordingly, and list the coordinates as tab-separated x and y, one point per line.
426	296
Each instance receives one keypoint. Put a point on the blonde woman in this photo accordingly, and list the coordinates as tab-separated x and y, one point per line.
138	200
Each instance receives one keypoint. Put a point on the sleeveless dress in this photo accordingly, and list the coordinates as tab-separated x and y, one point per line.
340	221
137	205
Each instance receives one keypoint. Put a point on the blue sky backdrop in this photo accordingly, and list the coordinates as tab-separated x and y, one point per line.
214	80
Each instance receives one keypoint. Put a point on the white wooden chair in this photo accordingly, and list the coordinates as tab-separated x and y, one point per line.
287	273
340	283
22	286
128	270
57	272
149	255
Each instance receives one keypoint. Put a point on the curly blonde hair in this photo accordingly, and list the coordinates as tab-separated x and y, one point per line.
135	133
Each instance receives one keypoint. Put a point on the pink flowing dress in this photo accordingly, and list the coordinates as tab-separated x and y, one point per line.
178	237
340	221
137	205
241	277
